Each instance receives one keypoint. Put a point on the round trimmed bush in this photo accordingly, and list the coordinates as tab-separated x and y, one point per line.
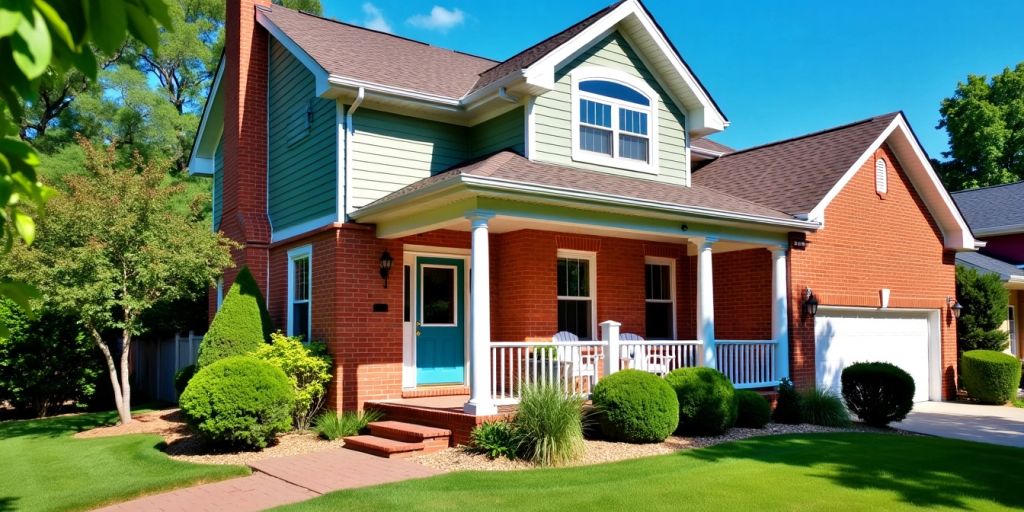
707	401
181	378
752	409
990	377
239	402
878	393
636	407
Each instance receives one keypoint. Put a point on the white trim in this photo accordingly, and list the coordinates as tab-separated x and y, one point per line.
1011	329
435	252
350	136
956	236
320	77
340	156
198	164
591	258
298	229
220	292
530	144
409	351
299	253
455	294
671	263
585	73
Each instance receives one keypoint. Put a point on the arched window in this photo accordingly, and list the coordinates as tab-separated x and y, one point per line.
881	176
614	123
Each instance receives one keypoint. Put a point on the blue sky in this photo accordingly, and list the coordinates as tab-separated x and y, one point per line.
778	69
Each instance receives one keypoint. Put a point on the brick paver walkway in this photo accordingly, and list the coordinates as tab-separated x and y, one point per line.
281	481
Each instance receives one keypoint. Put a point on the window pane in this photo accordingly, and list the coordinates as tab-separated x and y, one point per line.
438	295
574	316
659	320
596	140
300	320
573	277
657	282
633	147
632	121
614	90
592	112
301	286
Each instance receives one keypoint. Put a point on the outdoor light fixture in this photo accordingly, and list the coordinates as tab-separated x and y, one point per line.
810	303
385	266
954	306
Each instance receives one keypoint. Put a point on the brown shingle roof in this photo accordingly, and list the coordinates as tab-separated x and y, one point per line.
793	175
508	165
710	145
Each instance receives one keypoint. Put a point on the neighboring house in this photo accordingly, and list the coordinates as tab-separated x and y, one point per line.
996	216
565	187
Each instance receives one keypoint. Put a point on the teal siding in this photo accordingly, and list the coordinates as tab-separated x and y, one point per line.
553	126
218	183
391	151
302	168
505	131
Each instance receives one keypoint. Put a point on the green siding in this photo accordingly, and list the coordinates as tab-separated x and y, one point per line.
218	183
553	123
302	168
391	151
505	131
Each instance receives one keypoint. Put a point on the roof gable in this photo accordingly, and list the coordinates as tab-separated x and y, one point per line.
993	211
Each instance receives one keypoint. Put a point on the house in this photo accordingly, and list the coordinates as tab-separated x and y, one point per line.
437	217
996	216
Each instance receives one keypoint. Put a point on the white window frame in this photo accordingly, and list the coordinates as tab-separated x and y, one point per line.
455	295
298	253
613	75
671	264
220	292
1011	322
591	258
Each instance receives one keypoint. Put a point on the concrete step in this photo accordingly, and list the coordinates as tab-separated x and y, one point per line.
383	447
433	438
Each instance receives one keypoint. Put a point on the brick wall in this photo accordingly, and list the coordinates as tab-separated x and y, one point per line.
869	243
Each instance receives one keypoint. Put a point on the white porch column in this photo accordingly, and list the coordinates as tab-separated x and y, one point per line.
780	312
706	301
480	401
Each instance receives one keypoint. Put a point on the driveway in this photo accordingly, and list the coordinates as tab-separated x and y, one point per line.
992	424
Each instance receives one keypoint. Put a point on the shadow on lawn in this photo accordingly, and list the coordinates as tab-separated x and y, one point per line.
7	503
57	426
924	471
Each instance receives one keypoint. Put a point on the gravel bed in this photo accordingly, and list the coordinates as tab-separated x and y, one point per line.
597	452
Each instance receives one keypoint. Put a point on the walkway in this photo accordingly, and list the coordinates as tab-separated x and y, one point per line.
992	424
283	480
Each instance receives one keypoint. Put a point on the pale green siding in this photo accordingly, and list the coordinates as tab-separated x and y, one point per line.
391	151
302	168
553	123
505	131
218	183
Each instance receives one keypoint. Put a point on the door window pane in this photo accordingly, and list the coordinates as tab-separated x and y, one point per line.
438	290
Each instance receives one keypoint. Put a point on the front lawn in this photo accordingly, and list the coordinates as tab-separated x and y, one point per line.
43	468
849	471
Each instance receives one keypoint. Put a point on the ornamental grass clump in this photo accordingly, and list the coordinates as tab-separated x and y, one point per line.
331	425
550	425
819	406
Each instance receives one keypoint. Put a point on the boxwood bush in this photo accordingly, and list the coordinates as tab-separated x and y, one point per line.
241	326
707	401
239	402
181	378
989	376
752	409
636	407
878	393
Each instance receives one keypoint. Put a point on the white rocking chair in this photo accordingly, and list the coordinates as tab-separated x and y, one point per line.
638	357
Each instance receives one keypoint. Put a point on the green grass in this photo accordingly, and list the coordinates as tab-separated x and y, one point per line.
43	468
825	472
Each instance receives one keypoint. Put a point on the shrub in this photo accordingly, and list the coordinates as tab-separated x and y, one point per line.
309	369
331	425
46	361
819	406
707	401
239	402
181	378
787	405
497	439
990	377
985	301
752	409
878	393
551	425
636	407
241	326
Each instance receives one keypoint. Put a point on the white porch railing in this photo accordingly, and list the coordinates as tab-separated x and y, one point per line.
573	366
748	363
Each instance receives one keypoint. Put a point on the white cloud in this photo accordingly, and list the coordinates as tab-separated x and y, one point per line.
439	19
374	18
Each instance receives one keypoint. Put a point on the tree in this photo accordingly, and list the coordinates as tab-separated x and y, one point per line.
985	303
310	6
113	247
985	123
241	326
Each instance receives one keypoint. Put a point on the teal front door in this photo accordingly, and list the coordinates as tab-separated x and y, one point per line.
440	321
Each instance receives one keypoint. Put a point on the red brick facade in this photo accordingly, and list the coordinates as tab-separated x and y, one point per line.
869	243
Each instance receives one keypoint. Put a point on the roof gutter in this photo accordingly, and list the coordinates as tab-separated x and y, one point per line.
350	135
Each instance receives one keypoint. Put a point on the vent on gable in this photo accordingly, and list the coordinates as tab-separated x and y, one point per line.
881	177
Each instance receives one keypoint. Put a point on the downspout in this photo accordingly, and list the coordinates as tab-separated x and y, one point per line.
350	133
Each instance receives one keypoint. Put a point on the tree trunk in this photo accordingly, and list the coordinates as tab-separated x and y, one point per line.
123	408
126	387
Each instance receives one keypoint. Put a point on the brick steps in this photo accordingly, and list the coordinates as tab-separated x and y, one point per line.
393	439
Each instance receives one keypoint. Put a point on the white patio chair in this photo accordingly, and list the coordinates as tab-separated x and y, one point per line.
578	364
639	358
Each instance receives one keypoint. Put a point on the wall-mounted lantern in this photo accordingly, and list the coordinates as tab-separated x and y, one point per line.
385	266
810	303
954	306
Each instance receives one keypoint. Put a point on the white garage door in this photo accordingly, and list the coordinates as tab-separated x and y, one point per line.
846	337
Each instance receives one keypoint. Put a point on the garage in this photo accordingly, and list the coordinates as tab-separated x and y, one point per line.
906	338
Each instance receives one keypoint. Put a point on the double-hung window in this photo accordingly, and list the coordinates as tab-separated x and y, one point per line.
659	299
576	294
300	288
1011	321
614	124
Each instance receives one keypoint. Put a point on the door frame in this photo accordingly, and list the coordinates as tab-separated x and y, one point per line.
411	255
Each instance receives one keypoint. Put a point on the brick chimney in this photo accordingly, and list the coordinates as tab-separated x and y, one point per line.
244	216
